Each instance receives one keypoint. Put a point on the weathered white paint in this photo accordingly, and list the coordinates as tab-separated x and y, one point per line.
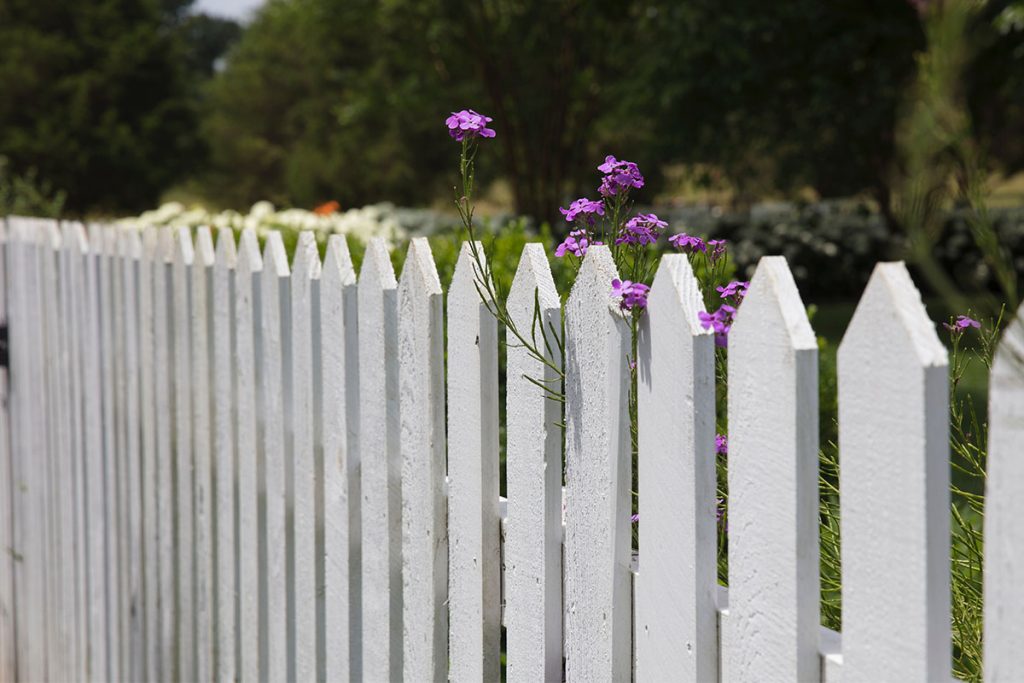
150	269
202	443
184	466
1004	509
224	457
474	552
894	478
533	537
339	421
424	524
598	479
130	248
380	461
276	336
676	634
305	297
772	633
248	355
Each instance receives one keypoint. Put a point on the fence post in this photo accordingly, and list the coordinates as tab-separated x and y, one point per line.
339	421
894	478
381	466
422	445
1004	509
533	535
677	583
598	478
473	518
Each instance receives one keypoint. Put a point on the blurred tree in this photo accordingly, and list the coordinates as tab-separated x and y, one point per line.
97	98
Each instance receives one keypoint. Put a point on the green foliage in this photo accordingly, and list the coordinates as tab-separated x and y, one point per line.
27	195
96	99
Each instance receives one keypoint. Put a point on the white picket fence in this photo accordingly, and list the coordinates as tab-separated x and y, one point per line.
222	466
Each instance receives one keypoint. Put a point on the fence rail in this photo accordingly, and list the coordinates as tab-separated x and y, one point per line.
219	465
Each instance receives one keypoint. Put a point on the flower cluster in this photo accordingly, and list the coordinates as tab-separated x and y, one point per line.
721	444
720	321
687	243
641	230
961	325
619	176
734	291
576	243
633	294
468	124
585	207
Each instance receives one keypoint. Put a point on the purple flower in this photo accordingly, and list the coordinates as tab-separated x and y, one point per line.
576	243
721	444
633	294
642	230
583	206
687	243
734	290
962	324
619	176
468	124
716	249
634	518
720	321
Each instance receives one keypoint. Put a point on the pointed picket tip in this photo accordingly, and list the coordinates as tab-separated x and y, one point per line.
129	244
96	238
1008	362
51	234
594	281
467	273
337	266
306	262
110	240
226	255
249	258
533	280
773	287
419	274
275	258
891	307
150	242
377	271
204	254
183	251
676	289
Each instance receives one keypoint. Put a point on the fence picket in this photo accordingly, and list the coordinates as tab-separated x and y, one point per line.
474	569
598	478
7	634
48	239
1004	509
675	629
130	250
339	421
224	458
164	361
772	628
248	353
305	307
380	460
150	270
894	474
202	443
533	538
424	525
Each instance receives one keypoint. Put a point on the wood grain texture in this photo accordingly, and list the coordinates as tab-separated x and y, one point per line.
894	478
533	537
598	479
677	582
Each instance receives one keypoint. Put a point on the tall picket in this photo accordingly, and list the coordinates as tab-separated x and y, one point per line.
533	537
225	466
772	628
305	308
7	634
676	629
338	383
1004	509
424	524
276	336
248	353
202	444
130	250
150	270
474	566
894	478
380	461
598	478
47	238
164	362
